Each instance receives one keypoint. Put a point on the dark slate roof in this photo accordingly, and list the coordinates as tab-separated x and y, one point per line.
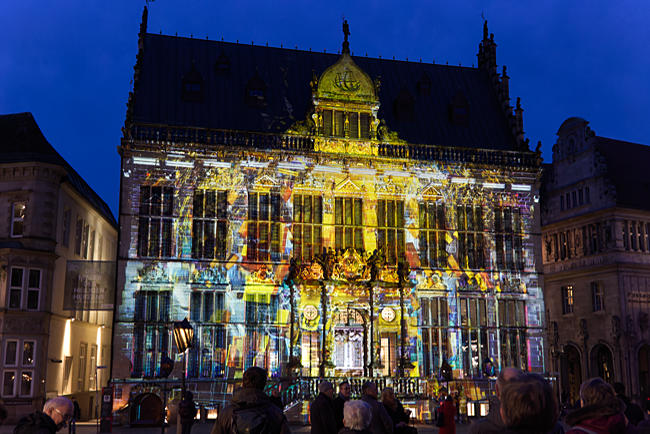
21	140
627	169
287	73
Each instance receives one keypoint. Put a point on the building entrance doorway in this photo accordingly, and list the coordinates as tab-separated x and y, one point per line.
601	363
573	375
350	337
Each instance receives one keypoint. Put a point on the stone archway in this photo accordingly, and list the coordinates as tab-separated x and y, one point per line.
644	371
602	363
146	410
573	371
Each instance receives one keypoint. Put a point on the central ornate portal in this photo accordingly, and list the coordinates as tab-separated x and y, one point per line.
350	312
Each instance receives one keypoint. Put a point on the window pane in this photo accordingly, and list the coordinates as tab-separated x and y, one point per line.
34	278
8	383
17	277
28	353
14	298
26	383
32	299
10	353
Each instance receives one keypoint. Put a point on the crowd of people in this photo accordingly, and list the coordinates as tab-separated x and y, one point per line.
524	404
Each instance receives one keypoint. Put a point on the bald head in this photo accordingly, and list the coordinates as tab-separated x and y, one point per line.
505	376
327	388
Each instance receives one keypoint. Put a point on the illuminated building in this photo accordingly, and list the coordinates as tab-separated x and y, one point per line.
53	223
596	256
237	159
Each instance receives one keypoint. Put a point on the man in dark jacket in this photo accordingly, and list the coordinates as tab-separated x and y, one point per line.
321	412
187	412
251	410
493	422
381	422
339	402
56	414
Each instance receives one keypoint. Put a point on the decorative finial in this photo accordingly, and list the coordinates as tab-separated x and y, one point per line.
485	29
346	33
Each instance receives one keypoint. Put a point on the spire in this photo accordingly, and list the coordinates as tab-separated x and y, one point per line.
143	24
346	33
485	30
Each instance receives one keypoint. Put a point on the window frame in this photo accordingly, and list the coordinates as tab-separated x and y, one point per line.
218	222
31	384
305	248
568	299
19	219
30	288
597	297
4	374
343	230
15	362
391	235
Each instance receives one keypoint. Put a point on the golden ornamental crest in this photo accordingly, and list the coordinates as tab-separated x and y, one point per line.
345	81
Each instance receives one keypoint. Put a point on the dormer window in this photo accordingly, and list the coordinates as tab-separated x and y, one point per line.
459	109
424	85
334	124
193	85
222	65
403	107
256	91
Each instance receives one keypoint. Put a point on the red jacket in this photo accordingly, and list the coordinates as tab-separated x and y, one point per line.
448	412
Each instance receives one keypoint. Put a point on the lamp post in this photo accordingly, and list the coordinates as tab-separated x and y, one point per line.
184	338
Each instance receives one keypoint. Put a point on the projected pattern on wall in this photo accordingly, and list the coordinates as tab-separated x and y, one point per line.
213	230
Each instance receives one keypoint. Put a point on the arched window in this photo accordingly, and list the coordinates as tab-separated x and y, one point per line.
602	364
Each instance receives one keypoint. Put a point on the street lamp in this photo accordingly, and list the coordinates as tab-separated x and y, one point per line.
184	338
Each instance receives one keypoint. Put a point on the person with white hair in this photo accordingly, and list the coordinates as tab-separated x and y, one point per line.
356	417
321	412
57	413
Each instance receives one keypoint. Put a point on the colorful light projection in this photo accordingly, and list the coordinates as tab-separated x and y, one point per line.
242	309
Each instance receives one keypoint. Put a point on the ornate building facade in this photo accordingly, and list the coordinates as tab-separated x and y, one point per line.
596	253
324	215
54	341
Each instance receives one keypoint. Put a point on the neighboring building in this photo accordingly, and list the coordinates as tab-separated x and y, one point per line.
596	242
238	159
49	217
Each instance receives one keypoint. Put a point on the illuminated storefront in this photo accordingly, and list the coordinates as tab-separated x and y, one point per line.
331	246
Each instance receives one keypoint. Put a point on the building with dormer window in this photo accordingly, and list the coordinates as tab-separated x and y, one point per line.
323	215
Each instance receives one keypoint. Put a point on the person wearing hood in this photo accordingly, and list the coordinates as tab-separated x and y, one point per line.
251	410
600	412
57	413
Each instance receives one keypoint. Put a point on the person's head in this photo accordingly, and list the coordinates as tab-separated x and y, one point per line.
619	388
254	378
596	391
506	375
344	389
60	409
356	415
369	388
528	404
326	388
388	395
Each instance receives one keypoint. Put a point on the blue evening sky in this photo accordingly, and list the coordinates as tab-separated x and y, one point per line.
70	62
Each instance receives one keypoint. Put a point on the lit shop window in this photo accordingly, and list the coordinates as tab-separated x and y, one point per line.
348	229
432	235
209	224
390	229
155	221
263	227
307	226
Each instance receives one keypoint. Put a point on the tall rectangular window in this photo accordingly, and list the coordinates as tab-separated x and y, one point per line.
433	324
567	299
78	235
81	369
17	219
209	224
469	226
509	235
65	238
263	227
24	288
84	241
433	242
597	296
91	247
155	221
390	229
307	226
348	226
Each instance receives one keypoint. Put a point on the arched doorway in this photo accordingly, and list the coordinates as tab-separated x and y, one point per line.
644	371
573	374
602	364
146	410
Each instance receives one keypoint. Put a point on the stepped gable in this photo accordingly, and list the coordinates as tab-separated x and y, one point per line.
221	85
